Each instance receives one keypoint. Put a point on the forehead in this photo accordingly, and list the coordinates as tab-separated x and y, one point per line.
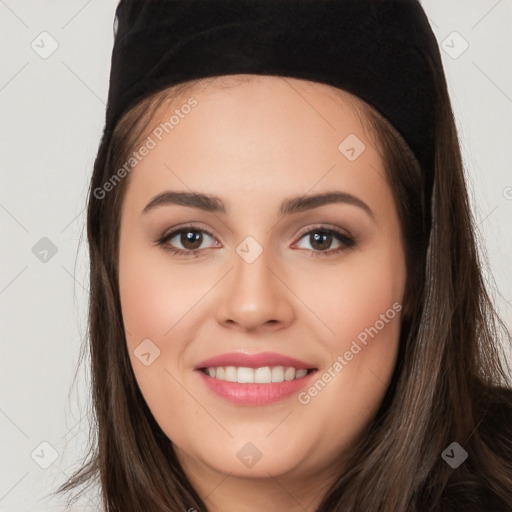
254	133
293	106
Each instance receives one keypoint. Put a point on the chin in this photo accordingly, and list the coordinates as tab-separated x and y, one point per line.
246	459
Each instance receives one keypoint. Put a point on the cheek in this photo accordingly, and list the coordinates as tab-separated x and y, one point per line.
151	306
353	297
161	302
366	320
360	307
155	295
157	305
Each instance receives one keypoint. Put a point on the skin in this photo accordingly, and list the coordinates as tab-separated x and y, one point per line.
255	144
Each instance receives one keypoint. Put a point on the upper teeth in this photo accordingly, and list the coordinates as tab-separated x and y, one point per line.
263	375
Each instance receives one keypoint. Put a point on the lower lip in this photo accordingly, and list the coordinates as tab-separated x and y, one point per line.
255	394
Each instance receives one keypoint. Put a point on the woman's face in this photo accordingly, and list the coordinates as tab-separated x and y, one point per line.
270	277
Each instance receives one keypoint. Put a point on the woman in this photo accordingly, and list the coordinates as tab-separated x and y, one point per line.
287	309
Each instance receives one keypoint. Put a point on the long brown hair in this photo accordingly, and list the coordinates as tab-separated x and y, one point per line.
448	383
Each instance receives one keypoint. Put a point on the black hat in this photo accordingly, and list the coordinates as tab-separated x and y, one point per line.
383	51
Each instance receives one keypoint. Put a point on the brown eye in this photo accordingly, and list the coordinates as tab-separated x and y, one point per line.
321	239
190	238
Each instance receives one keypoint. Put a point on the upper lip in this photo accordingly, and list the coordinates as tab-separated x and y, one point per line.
258	360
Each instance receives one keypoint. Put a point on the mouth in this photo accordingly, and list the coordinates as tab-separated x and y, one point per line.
254	379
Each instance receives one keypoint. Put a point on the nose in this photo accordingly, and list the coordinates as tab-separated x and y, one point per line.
255	296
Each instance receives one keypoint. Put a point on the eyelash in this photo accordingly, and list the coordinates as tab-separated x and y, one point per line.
347	241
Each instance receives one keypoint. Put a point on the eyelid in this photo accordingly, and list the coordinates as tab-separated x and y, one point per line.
324	227
192	227
300	234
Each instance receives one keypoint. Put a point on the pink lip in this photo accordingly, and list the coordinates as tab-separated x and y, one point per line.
255	394
253	361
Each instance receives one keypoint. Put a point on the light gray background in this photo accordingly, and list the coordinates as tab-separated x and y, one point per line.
52	115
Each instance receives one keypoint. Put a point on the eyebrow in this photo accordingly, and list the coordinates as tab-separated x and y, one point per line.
289	206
